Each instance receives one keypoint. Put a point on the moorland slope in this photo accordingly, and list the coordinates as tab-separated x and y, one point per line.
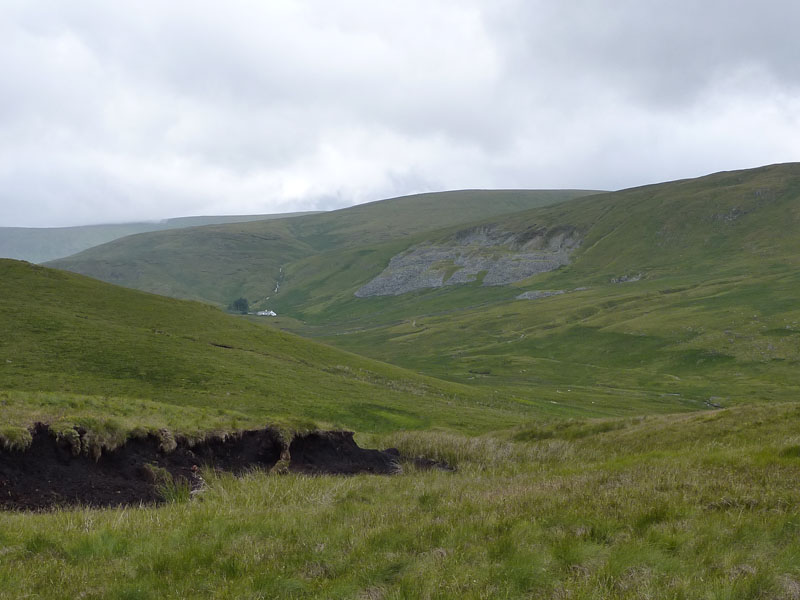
71	343
676	292
221	263
69	334
684	289
677	296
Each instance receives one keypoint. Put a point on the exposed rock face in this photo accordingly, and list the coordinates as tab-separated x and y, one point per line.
488	254
627	278
536	294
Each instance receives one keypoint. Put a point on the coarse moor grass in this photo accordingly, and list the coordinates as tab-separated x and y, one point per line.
684	506
111	421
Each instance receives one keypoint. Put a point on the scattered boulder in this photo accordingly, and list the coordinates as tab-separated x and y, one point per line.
536	294
627	278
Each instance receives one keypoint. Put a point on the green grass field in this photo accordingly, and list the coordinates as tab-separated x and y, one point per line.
694	506
62	332
714	314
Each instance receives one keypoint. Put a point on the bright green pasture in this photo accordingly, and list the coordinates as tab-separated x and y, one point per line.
671	341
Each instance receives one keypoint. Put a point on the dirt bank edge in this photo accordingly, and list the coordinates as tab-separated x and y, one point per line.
64	469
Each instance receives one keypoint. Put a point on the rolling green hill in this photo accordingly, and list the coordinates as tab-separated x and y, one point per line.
681	291
685	289
69	334
40	244
66	333
723	223
397	218
221	263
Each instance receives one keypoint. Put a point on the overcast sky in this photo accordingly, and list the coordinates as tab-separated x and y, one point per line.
119	111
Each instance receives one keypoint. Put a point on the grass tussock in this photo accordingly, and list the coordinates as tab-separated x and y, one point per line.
91	425
15	438
476	452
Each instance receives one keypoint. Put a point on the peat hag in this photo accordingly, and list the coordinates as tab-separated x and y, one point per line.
58	470
336	452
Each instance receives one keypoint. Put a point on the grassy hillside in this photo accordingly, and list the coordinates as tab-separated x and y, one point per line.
65	333
396	218
679	292
708	309
61	332
40	244
219	264
688	506
737	222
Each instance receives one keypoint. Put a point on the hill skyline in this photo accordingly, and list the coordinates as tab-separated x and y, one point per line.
248	259
41	244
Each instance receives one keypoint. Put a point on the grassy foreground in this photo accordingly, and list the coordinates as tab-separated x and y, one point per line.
702	505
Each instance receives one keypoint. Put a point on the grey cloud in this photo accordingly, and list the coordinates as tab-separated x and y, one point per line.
166	109
661	51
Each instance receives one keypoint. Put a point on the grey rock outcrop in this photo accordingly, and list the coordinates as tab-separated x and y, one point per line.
494	256
536	294
627	278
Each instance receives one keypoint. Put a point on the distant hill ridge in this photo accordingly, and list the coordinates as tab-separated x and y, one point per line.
220	263
41	244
